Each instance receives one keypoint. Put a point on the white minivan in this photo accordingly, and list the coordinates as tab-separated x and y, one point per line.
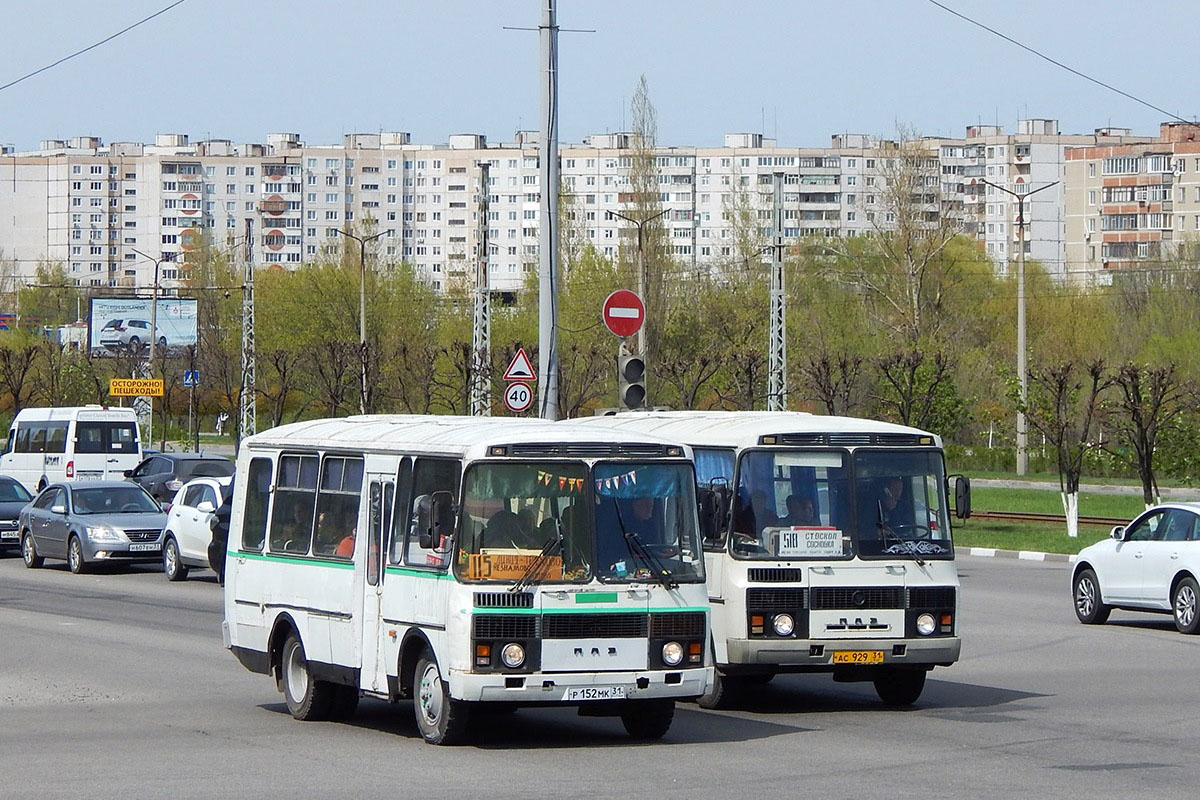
85	443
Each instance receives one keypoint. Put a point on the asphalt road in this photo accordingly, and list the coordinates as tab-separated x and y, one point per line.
116	686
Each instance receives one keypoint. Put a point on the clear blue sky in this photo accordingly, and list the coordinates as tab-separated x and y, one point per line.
798	69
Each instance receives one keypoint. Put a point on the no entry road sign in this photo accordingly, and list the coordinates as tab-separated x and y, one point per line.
624	313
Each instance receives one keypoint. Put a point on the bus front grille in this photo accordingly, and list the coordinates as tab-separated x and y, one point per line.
774	599
677	625
504	626
594	626
503	600
850	598
775	575
931	597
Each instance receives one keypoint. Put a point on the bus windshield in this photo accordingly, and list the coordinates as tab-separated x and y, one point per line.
798	504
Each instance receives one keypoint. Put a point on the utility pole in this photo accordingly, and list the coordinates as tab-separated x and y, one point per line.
1022	369
777	349
248	424
481	332
153	340
362	313
641	266
548	223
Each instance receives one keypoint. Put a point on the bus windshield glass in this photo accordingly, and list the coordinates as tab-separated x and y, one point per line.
513	512
797	504
646	523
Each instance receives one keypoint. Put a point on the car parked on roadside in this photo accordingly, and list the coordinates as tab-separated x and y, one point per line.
13	498
89	523
188	531
163	474
1151	564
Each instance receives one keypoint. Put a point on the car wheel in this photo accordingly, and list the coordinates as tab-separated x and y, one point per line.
162	341
1184	604
135	344
29	552
1089	603
75	560
440	718
900	687
648	719
308	699
173	566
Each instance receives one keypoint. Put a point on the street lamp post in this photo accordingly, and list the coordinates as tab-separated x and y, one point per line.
153	338
362	313
641	266
1022	370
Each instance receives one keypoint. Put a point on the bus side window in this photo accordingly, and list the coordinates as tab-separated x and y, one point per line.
430	475
37	443
399	519
295	504
12	441
337	507
258	497
23	432
56	437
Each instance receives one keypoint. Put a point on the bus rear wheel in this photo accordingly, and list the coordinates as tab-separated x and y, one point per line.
440	718
900	687
308	699
648	719
722	693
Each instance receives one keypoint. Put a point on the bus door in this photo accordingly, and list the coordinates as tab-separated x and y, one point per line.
380	493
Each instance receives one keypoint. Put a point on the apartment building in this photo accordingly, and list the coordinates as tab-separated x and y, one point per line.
1128	206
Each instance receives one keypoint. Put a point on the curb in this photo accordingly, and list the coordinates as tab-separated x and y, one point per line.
1023	555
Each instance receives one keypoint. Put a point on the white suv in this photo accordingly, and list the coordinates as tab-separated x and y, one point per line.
188	534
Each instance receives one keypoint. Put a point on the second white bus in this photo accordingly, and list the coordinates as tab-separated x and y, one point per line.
47	445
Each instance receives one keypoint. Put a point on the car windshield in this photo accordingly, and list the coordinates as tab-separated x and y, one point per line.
512	512
827	504
114	500
208	468
13	492
646	523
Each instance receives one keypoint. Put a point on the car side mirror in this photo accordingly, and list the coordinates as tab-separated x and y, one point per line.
1118	533
206	507
962	496
435	521
58	508
128	473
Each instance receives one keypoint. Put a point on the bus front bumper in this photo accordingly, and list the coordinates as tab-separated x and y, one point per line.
573	688
817	654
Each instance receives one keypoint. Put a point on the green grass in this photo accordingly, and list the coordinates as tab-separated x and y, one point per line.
1124	506
1021	536
1052	477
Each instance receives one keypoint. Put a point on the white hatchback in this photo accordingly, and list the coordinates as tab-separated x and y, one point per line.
188	534
1151	564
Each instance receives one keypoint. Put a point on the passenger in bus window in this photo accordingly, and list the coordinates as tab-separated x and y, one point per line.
764	514
800	512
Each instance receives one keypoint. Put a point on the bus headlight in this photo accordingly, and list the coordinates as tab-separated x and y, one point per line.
513	655
672	654
783	624
926	624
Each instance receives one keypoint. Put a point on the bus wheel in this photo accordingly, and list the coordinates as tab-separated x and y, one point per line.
440	718
345	702
173	566
900	687
75	560
648	719
307	698
759	680
722	693
29	552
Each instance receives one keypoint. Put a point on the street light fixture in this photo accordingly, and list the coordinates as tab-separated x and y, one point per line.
362	313
153	334
641	265
1022	370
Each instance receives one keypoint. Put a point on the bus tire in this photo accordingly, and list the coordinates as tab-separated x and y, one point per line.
42	484
308	699
345	702
440	718
900	687
722	693
29	553
648	719
173	566
75	559
758	680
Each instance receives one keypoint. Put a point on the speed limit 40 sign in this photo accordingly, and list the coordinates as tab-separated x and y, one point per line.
518	397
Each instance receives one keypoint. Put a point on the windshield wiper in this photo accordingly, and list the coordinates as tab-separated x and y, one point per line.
531	574
904	545
637	548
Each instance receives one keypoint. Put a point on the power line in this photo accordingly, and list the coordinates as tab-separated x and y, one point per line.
91	46
1061	65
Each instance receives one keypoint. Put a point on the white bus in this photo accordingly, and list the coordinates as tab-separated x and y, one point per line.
84	443
461	561
833	552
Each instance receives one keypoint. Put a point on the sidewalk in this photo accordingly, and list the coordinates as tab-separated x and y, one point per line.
1095	488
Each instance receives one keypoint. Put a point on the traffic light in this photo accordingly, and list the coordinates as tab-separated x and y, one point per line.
631	382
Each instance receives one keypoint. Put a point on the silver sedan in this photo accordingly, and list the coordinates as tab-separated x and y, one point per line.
93	522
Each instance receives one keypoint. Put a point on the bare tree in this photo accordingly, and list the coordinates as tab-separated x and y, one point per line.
1150	399
833	381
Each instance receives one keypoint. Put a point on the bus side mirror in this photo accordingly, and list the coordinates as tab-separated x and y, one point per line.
962	496
435	521
714	509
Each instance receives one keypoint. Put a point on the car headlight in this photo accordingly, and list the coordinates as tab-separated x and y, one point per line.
513	655
783	624
104	533
672	654
926	624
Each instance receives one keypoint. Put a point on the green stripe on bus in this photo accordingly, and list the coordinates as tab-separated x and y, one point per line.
308	562
596	597
419	573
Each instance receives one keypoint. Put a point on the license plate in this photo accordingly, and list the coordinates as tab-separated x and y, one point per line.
8	534
858	657
596	693
142	548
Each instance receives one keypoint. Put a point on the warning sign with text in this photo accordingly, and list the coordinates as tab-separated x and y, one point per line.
135	387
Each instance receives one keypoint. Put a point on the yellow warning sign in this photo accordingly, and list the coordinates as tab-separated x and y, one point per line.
135	387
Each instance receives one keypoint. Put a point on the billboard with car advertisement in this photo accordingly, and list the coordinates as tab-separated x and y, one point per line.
122	324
